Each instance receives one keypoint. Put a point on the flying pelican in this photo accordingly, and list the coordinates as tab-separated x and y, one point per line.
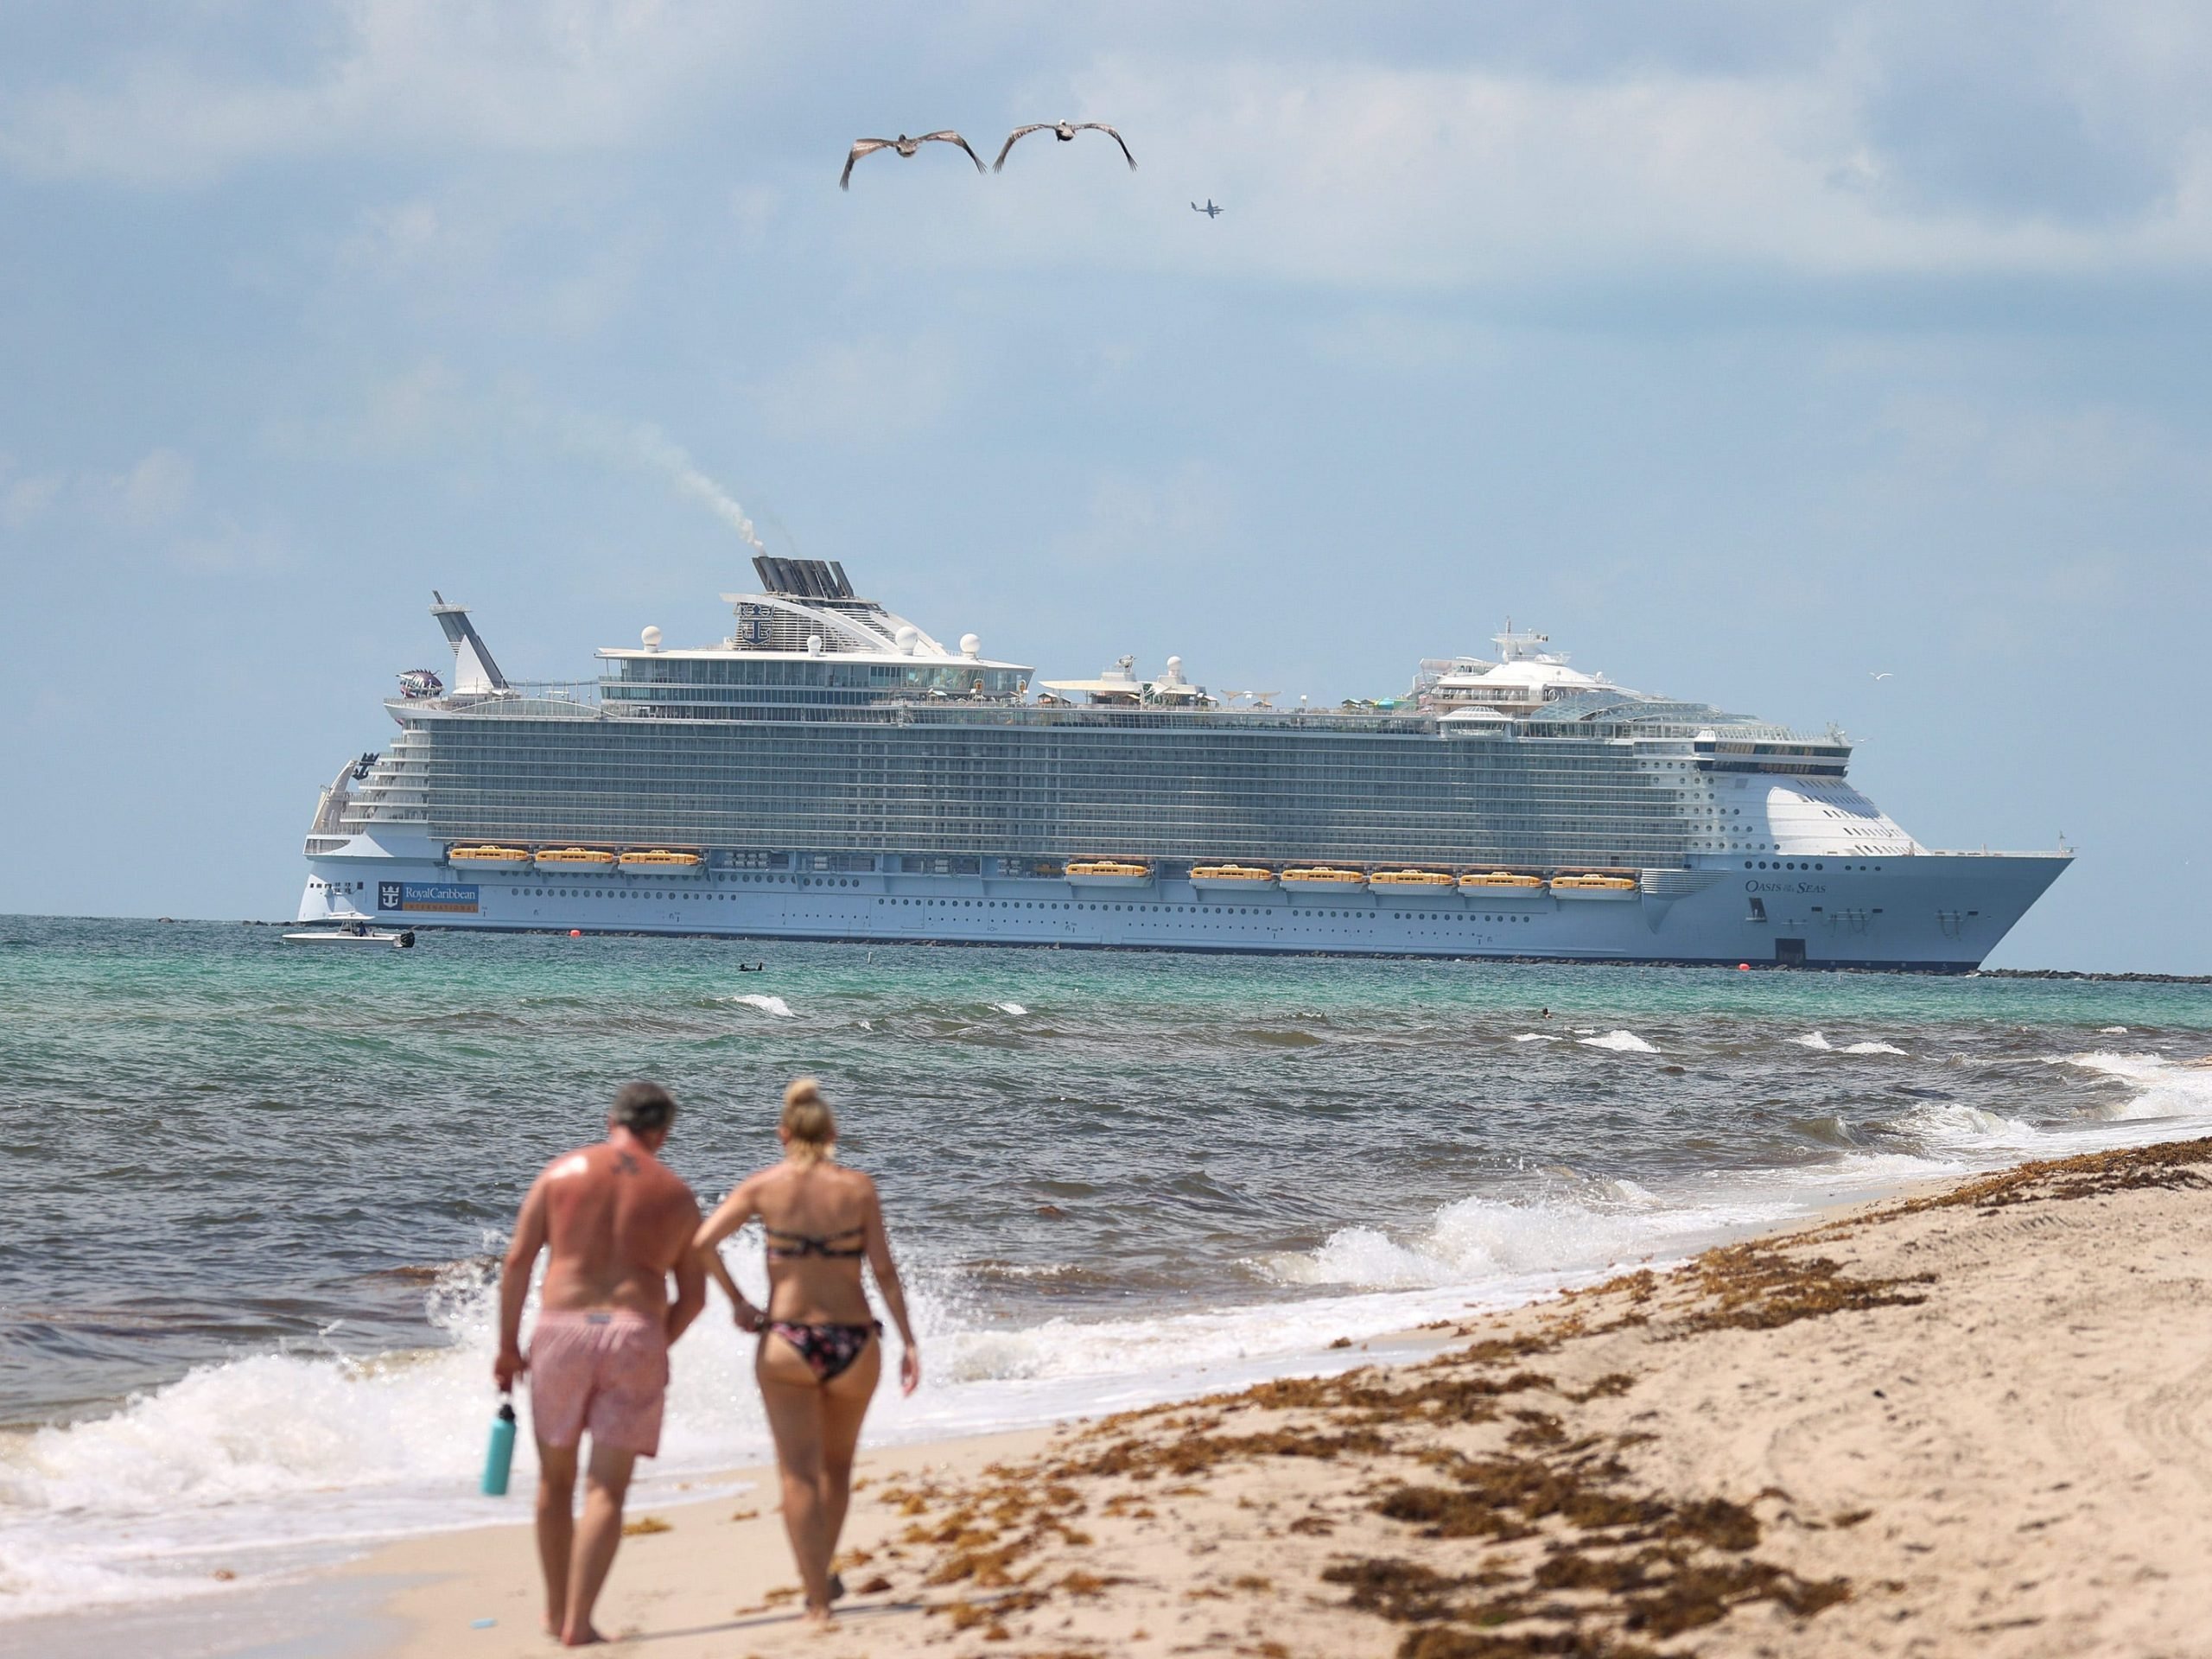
1208	210
905	146
1065	132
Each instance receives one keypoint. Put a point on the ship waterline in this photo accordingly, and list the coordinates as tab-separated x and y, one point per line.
831	771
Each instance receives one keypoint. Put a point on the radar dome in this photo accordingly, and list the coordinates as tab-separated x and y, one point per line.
814	645
651	638
907	638
971	644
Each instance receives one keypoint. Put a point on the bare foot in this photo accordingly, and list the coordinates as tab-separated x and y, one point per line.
587	1637
819	1619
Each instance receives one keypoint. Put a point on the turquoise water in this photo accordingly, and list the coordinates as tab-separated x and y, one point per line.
243	1177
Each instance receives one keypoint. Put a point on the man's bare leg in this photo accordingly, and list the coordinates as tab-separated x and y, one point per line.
606	1483
557	1525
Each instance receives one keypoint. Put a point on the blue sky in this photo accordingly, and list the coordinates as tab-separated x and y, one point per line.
1751	351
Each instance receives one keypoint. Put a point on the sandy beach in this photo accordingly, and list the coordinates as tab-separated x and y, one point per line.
1976	1420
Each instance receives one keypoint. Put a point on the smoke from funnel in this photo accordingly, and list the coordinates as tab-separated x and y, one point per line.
669	457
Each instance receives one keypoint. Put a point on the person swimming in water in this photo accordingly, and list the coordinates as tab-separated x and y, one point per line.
820	1349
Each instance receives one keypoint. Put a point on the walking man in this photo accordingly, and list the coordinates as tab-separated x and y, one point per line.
619	1222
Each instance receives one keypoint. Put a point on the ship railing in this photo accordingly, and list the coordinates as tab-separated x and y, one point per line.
520	700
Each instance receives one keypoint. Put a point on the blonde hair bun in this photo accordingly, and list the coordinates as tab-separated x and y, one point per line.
807	1121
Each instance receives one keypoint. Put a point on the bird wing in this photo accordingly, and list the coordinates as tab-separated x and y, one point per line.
1019	132
951	138
1100	126
860	147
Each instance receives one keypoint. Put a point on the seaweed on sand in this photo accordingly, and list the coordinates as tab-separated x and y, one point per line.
1754	1287
2176	1165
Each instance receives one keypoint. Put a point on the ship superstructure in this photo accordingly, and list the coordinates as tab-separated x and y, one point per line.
831	770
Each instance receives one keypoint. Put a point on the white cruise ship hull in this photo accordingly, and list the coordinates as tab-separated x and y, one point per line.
1929	911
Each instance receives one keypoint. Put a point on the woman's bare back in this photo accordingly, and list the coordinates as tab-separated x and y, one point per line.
821	1220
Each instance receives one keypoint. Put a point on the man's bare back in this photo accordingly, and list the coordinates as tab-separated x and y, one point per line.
618	1222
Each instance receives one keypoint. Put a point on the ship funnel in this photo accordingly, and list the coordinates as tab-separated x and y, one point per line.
474	670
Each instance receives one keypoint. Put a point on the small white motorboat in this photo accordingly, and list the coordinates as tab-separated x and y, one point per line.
357	933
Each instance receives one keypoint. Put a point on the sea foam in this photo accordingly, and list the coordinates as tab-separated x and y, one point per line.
774	1005
1621	1042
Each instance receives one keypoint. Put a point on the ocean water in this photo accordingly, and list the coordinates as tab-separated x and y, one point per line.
253	1193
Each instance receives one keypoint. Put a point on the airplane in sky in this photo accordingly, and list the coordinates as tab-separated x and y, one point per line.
1208	210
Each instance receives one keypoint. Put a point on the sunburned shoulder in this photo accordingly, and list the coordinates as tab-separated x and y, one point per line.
608	1161
570	1165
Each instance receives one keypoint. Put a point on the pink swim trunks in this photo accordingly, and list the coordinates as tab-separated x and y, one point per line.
601	1370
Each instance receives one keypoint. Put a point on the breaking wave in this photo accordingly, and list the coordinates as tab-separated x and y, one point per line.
773	1005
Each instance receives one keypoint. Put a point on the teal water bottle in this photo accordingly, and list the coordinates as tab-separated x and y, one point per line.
499	1455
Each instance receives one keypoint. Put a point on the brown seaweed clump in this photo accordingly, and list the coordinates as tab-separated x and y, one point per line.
1754	1287
2176	1165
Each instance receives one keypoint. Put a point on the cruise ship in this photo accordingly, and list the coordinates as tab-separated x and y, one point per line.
831	770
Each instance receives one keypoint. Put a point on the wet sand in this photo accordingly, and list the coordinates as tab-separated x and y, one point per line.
1975	1421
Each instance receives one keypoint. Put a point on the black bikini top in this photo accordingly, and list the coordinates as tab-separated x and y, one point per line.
783	1246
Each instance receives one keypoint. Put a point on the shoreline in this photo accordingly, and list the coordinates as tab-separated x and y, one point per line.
1972	1419
1869	1415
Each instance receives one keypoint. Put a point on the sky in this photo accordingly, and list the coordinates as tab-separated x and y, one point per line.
1752	352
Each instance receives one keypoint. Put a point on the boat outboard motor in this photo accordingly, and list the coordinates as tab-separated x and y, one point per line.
407	940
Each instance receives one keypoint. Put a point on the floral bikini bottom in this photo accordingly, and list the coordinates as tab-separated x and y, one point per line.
827	1350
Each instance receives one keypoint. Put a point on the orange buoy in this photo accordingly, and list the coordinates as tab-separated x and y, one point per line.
1742	967
576	932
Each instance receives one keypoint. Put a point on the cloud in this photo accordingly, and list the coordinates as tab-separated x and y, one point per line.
555	77
154	491
874	386
230	548
1166	521
25	500
1870	153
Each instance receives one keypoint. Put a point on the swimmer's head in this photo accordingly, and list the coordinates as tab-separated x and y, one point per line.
809	1130
646	1109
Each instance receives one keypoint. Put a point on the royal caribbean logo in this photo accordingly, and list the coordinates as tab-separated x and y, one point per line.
452	897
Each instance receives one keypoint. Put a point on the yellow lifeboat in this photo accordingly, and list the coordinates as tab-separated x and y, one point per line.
574	858
659	860
1109	873
1593	886
488	858
1410	879
1322	878
1242	878
1502	887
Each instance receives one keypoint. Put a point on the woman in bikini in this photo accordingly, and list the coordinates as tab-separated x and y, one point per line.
820	1351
